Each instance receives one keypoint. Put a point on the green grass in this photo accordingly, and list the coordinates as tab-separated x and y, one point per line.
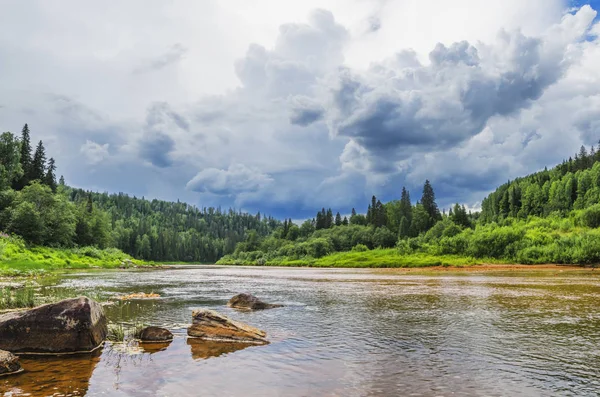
16	298
18	259
377	258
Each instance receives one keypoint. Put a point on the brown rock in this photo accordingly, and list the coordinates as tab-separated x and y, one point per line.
249	302
70	326
9	363
210	325
155	334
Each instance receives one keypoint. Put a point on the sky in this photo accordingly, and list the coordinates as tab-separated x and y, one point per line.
287	107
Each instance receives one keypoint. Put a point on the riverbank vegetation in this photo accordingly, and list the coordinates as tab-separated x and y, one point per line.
551	216
56	226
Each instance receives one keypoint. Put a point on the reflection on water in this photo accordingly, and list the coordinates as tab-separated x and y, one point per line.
341	333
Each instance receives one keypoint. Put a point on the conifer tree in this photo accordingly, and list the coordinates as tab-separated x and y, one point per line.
429	204
329	219
345	221
38	166
25	159
405	205
50	178
338	219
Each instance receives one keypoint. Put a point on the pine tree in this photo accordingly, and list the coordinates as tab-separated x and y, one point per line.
25	159
429	204
50	178
61	182
38	166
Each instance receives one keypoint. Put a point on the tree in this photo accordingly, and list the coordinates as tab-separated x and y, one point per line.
429	204
25	159
421	220
338	219
50	178
404	229
405	205
38	166
459	216
10	160
329	219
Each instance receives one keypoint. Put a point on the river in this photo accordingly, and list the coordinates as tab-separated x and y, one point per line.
342	332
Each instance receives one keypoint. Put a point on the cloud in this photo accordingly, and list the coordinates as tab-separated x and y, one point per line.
157	141
95	152
398	110
305	111
173	55
226	182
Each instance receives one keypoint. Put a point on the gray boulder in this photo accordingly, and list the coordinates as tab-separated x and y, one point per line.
249	302
70	326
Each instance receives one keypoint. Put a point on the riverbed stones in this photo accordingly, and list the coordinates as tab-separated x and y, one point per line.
249	302
70	326
210	325
9	363
155	334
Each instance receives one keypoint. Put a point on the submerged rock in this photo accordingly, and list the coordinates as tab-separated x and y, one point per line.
155	334
210	325
9	363
249	302
70	326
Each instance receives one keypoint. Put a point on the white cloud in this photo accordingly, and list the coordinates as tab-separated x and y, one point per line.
95	152
236	179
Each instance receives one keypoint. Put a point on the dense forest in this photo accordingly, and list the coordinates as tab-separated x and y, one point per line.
548	217
42	211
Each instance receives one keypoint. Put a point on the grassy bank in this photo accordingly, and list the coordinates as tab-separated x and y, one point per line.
376	258
16	258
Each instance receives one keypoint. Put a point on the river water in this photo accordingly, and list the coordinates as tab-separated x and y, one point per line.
342	332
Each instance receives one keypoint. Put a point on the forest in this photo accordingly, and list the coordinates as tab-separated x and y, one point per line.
548	217
551	216
44	212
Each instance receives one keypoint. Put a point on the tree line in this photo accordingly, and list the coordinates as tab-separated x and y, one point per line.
42	211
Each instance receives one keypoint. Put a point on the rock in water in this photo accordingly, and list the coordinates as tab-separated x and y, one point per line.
155	334
249	302
70	326
9	363
210	325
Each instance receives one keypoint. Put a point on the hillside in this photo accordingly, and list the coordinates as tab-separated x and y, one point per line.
550	216
45	213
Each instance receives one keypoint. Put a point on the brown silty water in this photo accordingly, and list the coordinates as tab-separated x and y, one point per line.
342	332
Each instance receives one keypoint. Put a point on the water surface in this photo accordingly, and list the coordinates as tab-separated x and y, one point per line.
343	332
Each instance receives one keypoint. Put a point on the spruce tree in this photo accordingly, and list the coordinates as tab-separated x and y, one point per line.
429	204
345	221
61	182
50	178
405	205
338	219
25	159
329	219
38	166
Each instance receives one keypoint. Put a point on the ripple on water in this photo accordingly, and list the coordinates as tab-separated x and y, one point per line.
343	332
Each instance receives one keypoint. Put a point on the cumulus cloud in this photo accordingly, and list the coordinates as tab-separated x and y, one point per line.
451	99
94	152
231	181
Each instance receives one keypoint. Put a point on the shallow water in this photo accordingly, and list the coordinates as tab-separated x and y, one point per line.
343	332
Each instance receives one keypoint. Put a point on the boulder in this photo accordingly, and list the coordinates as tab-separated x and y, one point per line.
70	326
210	325
155	334
9	363
249	302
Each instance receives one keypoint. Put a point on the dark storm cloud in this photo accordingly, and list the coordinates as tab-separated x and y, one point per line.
157	143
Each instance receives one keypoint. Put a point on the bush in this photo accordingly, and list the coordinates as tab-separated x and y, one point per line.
360	248
590	217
